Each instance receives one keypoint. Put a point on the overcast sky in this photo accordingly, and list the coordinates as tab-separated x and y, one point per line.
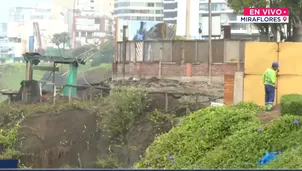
13	3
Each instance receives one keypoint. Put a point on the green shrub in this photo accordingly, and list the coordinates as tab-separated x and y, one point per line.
291	104
226	137
245	147
198	134
108	163
125	105
251	106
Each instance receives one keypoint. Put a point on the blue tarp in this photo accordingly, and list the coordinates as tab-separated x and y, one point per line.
31	44
268	157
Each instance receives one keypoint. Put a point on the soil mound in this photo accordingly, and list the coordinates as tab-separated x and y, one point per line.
57	139
77	134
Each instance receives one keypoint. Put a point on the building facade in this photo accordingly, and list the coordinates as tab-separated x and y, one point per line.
228	17
170	11
93	30
5	47
89	21
175	12
107	7
145	10
21	27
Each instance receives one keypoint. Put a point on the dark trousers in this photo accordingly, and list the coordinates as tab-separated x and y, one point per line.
269	95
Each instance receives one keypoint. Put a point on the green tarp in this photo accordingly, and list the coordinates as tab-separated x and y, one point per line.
71	80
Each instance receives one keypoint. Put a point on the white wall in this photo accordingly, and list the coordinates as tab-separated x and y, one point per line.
194	18
181	17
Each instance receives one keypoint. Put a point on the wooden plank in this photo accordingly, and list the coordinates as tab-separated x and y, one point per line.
9	91
45	68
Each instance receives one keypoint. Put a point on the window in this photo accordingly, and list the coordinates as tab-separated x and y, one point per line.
214	7
89	34
203	7
232	17
159	4
97	21
239	26
159	11
92	1
159	19
83	34
77	34
224	18
150	4
218	6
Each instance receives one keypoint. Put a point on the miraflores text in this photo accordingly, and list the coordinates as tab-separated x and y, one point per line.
262	19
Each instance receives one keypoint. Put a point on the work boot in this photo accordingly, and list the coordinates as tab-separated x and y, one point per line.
268	108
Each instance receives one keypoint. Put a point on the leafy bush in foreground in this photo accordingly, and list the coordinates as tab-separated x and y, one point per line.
226	137
291	104
198	134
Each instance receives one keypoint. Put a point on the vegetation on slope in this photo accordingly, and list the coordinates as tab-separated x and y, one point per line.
120	117
226	137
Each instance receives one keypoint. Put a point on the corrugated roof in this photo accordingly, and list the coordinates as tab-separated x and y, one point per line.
32	56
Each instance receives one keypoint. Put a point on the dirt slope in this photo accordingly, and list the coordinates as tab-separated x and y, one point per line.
266	117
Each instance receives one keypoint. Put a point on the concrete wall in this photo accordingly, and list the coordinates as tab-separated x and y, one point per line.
181	51
181	72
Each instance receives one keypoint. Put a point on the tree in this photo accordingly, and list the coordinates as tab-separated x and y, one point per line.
238	6
104	55
60	38
84	50
295	19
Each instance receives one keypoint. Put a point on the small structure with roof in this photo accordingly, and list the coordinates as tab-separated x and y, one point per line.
31	90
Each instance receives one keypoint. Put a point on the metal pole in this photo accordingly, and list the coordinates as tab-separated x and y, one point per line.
125	27
210	41
116	39
54	82
188	18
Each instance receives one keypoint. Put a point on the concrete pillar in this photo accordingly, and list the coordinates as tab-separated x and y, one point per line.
238	87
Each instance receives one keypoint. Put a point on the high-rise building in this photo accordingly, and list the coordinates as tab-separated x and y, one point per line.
170	11
228	17
175	13
145	10
21	27
107	7
4	42
86	21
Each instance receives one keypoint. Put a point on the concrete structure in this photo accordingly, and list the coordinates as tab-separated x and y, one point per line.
145	10
180	60
4	42
175	12
20	27
86	20
94	30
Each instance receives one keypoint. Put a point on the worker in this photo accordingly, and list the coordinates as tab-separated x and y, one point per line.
270	83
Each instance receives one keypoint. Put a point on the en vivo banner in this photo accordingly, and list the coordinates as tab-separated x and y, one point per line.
264	15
